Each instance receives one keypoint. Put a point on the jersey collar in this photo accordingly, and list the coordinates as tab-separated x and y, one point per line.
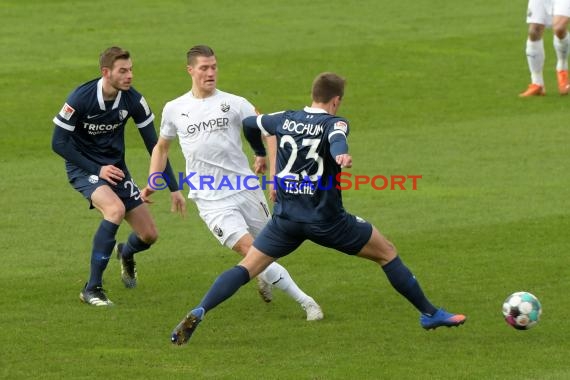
207	97
314	110
100	96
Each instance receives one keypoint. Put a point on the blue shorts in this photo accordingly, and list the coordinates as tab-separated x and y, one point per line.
87	183
347	234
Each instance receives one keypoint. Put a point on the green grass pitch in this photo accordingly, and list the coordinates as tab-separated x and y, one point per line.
432	91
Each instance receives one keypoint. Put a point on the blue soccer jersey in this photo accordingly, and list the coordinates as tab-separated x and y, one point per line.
98	126
307	174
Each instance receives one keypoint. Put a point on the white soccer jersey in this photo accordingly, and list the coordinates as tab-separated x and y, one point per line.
209	132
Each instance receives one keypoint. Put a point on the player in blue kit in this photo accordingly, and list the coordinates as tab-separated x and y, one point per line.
312	151
89	135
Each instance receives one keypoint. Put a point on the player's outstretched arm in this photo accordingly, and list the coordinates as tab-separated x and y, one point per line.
339	149
266	124
253	137
158	160
271	142
150	138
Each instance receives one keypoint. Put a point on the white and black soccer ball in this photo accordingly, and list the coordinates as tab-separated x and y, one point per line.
522	310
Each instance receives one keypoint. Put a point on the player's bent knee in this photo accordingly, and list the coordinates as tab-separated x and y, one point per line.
535	32
256	261
378	249
560	32
150	239
150	236
114	213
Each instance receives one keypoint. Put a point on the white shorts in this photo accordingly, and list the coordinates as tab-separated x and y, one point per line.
230	218
542	11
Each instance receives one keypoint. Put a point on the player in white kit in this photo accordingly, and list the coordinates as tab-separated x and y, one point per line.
208	124
540	15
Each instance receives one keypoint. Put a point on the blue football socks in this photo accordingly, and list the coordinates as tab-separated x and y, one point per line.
103	243
406	284
224	287
133	245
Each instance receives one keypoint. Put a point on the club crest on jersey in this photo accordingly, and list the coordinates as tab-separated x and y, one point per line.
341	126
123	114
225	107
93	178
218	231
67	111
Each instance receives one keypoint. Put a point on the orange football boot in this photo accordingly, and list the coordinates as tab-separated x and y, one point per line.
533	90
563	86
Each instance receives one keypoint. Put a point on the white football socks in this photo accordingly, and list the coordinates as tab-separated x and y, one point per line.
535	58
562	48
278	276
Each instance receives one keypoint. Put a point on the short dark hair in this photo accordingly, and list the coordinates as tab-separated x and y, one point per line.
198	51
110	55
326	86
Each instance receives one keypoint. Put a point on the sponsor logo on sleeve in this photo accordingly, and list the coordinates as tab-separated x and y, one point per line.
341	126
67	111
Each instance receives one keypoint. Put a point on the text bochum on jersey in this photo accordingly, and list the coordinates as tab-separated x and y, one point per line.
302	128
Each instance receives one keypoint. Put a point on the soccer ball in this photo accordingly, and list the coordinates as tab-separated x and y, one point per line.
522	310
